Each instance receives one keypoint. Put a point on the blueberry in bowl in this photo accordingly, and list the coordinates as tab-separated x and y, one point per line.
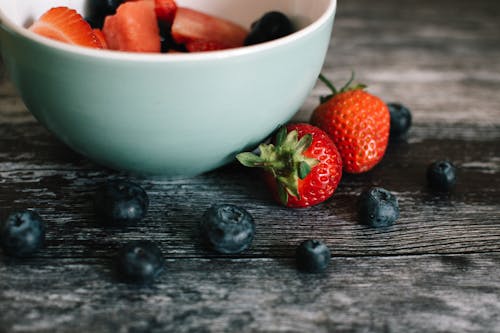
98	10
272	25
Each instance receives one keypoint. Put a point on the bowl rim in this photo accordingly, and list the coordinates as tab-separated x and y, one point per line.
7	24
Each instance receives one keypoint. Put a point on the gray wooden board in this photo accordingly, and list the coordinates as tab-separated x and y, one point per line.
430	293
436	270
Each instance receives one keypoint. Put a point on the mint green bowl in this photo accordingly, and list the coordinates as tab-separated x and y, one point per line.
166	114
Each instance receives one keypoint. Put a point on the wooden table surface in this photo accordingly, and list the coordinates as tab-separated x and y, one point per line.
436	270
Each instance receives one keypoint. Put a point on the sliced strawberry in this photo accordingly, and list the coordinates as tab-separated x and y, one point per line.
133	28
191	25
165	10
65	25
100	35
203	45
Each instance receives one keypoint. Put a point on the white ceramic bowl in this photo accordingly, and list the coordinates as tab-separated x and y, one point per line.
167	114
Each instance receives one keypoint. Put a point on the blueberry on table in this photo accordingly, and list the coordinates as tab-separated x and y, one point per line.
22	233
227	228
272	25
378	207
400	120
121	203
139	262
312	256
441	175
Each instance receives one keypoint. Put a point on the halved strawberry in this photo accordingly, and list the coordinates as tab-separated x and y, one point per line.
66	25
165	10
203	45
100	35
133	28
191	25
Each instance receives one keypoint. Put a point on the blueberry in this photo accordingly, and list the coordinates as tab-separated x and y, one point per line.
121	202
139	262
270	26
378	207
167	41
400	120
22	233
441	175
227	228
312	256
99	9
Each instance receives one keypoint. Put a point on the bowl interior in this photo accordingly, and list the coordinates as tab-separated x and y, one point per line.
302	12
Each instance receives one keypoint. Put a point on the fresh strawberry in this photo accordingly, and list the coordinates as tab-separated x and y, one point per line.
165	10
193	26
302	168
133	28
358	124
66	25
100	35
202	46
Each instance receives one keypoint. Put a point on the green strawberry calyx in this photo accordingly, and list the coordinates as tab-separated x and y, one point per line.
347	87
285	161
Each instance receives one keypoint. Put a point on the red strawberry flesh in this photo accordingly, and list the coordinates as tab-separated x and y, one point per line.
66	25
165	10
191	25
133	28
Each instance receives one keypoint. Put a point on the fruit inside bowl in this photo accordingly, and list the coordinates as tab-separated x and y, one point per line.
180	112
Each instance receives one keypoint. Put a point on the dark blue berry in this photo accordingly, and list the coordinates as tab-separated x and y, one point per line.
121	203
378	207
22	233
312	256
272	25
139	262
400	120
98	10
167	41
227	228
441	175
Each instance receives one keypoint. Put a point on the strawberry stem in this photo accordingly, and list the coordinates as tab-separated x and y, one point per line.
347	87
328	84
285	161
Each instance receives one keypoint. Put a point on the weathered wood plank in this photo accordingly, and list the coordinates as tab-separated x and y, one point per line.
39	172
438	57
371	294
435	271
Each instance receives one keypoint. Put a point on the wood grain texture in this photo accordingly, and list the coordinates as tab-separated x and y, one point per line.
438	57
371	294
436	270
61	184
